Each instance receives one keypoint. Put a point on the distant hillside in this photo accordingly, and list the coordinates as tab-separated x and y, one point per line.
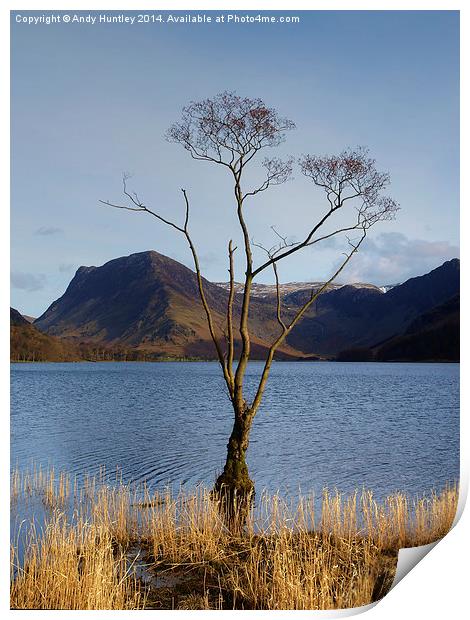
28	344
148	304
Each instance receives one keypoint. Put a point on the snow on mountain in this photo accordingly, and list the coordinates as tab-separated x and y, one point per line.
269	290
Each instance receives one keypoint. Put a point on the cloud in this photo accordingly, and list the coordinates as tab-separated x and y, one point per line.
392	257
66	267
28	281
45	231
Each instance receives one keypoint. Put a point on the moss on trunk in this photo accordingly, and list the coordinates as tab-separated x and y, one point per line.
234	486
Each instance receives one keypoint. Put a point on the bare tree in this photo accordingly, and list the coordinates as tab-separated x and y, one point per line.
230	131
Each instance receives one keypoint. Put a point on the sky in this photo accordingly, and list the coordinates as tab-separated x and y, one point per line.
91	101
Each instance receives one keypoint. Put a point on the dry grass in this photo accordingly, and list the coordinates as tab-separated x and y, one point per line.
73	567
113	546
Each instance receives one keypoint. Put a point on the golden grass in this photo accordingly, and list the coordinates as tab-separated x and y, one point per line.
73	567
114	546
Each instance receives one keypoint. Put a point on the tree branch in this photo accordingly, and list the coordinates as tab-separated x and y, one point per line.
313	297
244	330
297	247
271	252
202	295
230	342
139	206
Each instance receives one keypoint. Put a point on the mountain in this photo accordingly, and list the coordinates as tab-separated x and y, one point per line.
149	303
349	317
28	344
338	319
434	335
16	318
267	291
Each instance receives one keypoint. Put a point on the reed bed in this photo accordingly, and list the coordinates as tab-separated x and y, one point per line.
103	544
73	566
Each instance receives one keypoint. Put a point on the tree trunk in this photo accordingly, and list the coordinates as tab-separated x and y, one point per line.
234	485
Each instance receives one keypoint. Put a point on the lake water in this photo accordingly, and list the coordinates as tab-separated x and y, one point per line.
386	427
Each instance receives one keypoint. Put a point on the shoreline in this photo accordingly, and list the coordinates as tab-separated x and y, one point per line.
186	360
158	550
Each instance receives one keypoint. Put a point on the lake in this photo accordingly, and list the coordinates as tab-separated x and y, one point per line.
383	426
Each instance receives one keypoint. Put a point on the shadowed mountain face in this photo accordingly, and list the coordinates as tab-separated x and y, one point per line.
127	299
364	317
434	335
151	302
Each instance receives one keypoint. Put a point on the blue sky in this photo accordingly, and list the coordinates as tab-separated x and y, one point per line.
92	101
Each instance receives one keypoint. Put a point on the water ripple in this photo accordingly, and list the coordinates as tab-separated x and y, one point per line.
382	426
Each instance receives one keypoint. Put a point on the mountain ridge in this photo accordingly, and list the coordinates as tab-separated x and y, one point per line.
147	301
